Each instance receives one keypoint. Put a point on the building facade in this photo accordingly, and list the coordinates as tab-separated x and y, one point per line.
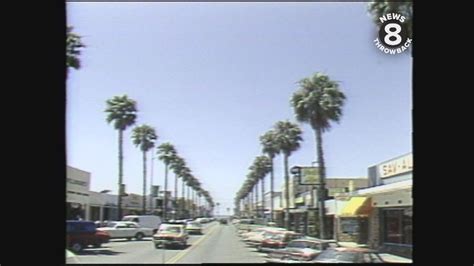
303	203
381	215
77	193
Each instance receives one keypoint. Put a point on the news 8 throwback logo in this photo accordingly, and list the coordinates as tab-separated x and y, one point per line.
393	34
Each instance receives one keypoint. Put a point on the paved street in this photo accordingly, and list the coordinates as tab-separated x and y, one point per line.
218	244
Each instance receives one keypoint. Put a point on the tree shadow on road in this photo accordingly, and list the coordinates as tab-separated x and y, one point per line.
98	252
175	247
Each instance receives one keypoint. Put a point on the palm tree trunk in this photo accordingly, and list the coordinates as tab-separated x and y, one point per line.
144	183
120	173
256	199
322	187
165	200
263	198
271	190
151	183
175	196
192	203
187	202
287	194
182	197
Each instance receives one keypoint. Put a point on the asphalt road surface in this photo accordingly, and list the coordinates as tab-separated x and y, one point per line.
218	244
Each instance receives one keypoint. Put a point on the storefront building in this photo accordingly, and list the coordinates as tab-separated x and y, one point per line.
77	194
390	199
304	213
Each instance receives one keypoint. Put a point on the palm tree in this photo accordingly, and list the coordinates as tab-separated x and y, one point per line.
186	174
122	111
189	182
177	165
73	49
254	178
288	137
270	147
261	164
318	102
167	154
144	137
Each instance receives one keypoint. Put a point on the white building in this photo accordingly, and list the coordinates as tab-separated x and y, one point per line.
77	193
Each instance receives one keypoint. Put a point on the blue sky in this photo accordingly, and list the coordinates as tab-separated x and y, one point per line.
212	77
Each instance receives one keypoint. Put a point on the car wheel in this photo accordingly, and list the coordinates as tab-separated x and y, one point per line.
76	247
139	236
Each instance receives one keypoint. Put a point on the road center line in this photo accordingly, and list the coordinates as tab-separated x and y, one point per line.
194	245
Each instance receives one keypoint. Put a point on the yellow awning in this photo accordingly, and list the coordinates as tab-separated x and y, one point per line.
357	206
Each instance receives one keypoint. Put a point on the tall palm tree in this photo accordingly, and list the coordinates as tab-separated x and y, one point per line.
189	183
288	137
261	166
319	102
73	49
166	153
122	112
144	137
186	174
270	147
177	165
254	177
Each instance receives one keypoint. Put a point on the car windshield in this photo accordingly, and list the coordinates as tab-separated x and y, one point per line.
194	224
303	244
170	229
112	224
276	237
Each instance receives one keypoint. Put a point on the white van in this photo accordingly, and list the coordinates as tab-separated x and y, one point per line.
148	221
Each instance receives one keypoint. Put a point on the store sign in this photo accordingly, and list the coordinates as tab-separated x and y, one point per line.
309	176
299	200
333	191
396	167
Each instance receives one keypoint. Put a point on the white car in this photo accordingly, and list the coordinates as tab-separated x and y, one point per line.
127	230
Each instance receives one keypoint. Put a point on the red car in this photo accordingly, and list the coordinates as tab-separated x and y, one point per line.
278	240
81	234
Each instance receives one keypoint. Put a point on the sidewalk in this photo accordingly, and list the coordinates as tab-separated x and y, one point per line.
390	258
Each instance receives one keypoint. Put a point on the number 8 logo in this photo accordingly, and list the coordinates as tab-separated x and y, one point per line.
390	33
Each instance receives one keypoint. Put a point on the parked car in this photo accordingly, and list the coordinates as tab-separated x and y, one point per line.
126	230
278	240
147	221
194	228
348	255
303	249
258	233
81	234
202	220
171	234
256	239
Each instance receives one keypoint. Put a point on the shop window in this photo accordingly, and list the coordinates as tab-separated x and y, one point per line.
349	226
398	226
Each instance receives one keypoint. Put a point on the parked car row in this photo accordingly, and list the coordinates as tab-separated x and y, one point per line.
284	246
82	234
